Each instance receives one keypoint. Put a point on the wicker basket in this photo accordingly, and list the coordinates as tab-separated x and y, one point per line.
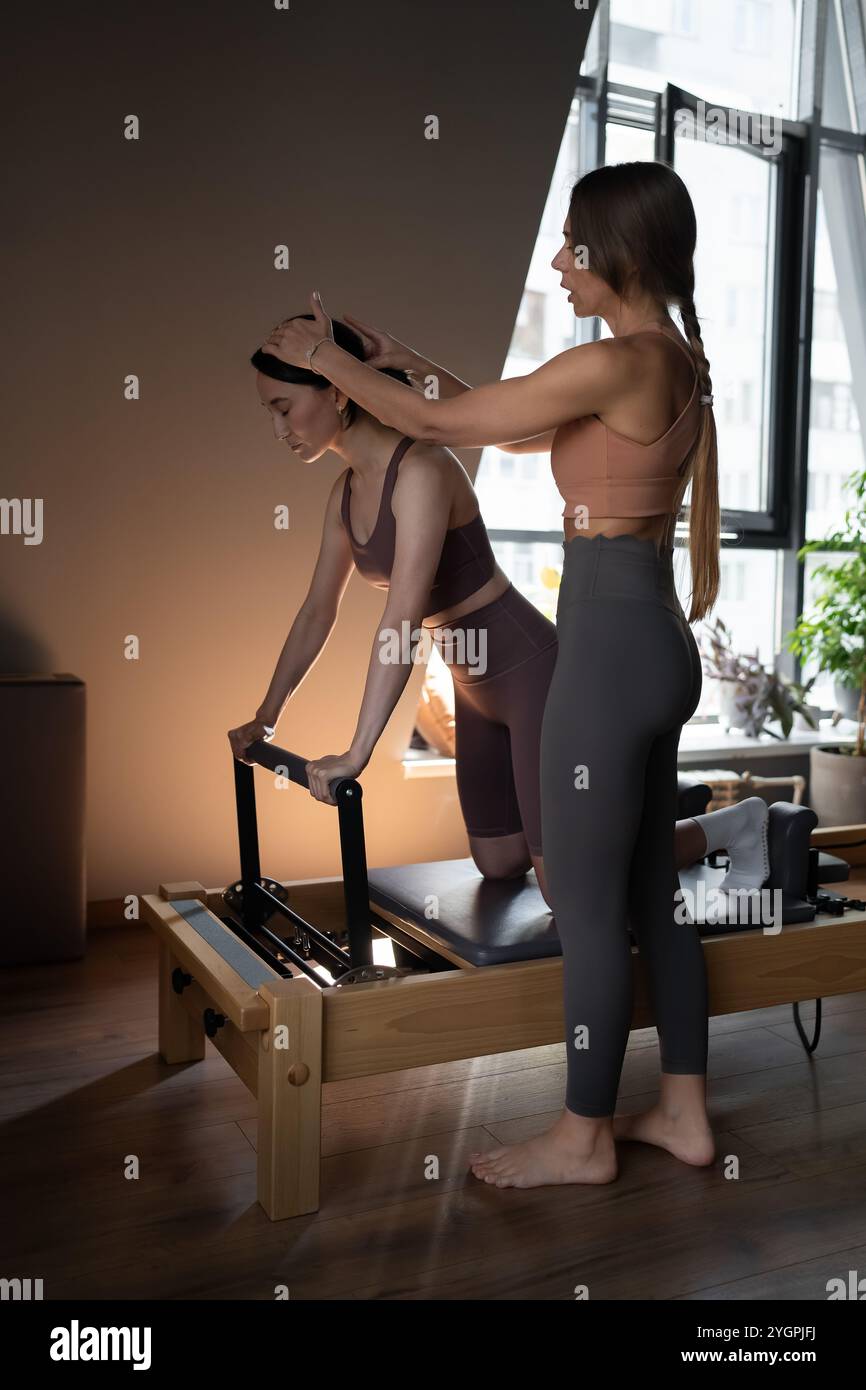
729	787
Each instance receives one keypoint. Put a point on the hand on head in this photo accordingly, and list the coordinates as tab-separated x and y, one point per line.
381	349
292	339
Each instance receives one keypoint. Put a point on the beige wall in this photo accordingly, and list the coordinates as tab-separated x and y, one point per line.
257	127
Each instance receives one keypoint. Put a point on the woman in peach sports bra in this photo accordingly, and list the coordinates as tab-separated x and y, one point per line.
628	422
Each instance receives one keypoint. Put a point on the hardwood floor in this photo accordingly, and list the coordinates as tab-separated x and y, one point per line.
82	1089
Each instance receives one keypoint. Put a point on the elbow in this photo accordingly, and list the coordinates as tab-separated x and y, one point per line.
426	425
406	616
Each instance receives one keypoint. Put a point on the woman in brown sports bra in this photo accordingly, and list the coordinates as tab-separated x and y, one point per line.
405	515
629	424
500	692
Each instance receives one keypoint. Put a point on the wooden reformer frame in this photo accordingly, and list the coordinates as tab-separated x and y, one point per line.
291	1031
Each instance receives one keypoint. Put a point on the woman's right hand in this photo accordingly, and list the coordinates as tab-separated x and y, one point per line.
241	738
381	349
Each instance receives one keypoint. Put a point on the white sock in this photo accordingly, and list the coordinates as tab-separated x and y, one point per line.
741	829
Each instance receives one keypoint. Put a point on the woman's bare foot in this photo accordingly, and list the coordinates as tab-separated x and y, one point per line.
678	1122
577	1148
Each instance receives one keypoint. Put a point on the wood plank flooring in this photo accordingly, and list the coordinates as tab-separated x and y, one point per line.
82	1089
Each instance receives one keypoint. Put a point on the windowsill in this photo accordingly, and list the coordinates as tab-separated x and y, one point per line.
699	743
418	763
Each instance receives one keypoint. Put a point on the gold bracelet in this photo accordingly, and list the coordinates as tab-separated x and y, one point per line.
310	352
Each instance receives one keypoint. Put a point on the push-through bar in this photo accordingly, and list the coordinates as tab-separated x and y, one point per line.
347	793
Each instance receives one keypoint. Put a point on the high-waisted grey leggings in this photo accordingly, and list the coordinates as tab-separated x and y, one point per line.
627	677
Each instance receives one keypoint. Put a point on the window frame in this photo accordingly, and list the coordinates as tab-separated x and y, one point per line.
781	526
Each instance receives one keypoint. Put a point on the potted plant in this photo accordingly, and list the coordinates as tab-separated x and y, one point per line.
749	695
833	633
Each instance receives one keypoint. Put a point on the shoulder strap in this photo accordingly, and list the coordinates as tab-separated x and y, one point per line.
387	489
344	500
391	474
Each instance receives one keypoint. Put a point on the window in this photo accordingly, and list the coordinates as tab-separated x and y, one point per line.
838	373
528	340
747	217
826	323
732	296
684	18
753	26
745	57
751	200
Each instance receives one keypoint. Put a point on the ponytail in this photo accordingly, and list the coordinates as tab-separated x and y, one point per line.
702	471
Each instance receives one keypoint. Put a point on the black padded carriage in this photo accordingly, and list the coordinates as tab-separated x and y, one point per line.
491	922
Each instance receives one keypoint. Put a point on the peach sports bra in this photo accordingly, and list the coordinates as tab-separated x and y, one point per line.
610	475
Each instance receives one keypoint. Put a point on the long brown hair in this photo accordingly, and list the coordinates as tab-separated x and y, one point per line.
638	220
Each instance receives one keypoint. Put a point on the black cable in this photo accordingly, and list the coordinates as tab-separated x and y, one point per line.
809	1046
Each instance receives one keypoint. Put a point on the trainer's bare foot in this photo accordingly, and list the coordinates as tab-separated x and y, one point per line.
687	1137
574	1149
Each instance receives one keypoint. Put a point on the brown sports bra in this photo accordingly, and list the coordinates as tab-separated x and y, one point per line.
466	562
610	475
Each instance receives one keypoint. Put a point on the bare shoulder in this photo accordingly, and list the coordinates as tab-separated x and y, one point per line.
429	477
598	361
424	461
646	354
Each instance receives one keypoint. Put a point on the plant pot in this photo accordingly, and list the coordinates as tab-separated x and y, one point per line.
727	703
837	787
738	708
847	699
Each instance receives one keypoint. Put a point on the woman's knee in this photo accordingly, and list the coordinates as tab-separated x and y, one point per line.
501	856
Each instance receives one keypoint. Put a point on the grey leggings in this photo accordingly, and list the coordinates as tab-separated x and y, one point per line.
627	677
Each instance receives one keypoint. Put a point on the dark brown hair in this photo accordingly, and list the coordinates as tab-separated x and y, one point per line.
344	337
637	222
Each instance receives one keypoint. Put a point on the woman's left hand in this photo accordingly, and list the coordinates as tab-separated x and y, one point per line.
292	339
322	771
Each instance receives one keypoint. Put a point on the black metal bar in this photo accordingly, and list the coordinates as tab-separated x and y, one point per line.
267	956
356	890
347	794
286	764
248	836
330	947
253	942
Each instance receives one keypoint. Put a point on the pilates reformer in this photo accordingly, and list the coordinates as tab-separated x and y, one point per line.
474	965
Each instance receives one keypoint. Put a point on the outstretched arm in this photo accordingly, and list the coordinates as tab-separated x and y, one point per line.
318	612
382	349
580	381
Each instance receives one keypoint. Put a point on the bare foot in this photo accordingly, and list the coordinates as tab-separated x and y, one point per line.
687	1139
564	1153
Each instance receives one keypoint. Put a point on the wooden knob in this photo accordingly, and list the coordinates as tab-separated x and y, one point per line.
299	1074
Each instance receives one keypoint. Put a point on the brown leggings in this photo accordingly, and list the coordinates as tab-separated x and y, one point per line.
501	657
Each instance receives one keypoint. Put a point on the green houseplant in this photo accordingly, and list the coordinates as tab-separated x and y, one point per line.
833	633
